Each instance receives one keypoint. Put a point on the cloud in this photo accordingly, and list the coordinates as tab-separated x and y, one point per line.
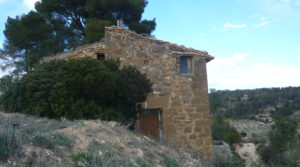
29	3
203	35
286	1
261	24
263	20
255	15
228	26
236	72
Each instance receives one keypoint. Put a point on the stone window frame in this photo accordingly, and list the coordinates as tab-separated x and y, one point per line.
100	56
189	58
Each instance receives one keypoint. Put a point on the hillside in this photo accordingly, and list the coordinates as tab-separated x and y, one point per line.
262	103
266	121
31	141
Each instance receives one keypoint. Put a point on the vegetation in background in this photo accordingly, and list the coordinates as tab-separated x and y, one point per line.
60	25
246	103
221	130
78	89
284	147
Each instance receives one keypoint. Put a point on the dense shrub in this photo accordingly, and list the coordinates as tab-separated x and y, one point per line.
221	130
78	89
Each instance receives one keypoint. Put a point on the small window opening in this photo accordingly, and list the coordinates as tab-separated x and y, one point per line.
146	62
186	65
100	56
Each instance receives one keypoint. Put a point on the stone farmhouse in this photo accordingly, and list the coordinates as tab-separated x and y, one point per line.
177	111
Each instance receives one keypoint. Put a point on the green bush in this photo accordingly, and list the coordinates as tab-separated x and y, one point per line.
78	89
221	130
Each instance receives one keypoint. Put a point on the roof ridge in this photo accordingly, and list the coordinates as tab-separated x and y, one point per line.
201	52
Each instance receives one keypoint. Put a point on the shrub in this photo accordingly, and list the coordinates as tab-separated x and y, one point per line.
243	134
221	130
78	89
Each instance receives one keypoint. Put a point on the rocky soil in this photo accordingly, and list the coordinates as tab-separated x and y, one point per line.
27	141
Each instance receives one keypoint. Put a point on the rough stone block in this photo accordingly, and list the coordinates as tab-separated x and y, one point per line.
157	102
188	130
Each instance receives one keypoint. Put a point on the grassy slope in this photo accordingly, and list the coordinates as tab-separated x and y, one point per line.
31	141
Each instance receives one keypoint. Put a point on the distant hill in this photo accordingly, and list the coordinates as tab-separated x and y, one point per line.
280	102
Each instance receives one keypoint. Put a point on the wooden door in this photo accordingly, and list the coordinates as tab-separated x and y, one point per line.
150	121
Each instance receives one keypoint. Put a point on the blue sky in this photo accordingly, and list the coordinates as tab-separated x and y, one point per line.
255	43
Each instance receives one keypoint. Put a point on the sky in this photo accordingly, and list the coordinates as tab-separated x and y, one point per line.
256	43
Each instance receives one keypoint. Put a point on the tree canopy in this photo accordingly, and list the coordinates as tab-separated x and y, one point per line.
59	25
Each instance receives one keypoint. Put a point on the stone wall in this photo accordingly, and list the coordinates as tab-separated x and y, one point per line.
85	51
183	97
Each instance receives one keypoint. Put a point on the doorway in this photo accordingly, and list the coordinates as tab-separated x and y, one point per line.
150	123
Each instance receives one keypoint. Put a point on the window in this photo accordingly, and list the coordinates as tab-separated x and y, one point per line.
146	62
186	65
100	56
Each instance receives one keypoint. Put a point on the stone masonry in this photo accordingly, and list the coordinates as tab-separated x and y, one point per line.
183	97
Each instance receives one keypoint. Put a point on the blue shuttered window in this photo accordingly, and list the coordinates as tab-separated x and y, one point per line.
186	64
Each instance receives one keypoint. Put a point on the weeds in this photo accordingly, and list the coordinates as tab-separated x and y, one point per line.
168	162
87	160
141	162
92	160
62	140
50	142
234	161
11	136
103	155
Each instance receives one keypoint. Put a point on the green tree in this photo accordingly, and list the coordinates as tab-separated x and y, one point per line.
282	135
6	82
221	130
79	89
59	25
